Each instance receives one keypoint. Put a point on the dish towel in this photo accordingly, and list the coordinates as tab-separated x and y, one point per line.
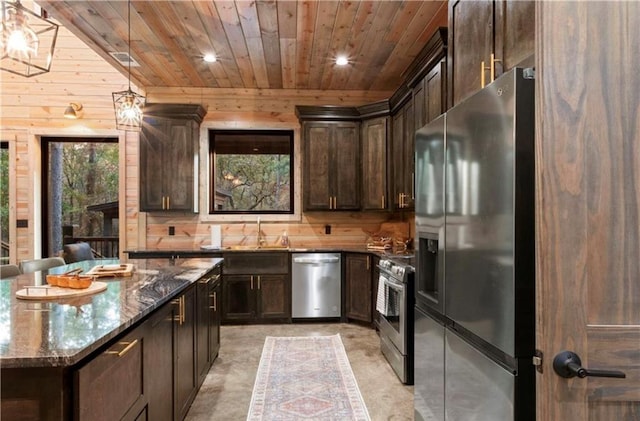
381	299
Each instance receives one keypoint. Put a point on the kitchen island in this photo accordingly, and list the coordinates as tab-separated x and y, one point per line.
96	356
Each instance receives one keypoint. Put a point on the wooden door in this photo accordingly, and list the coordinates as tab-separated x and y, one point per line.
239	299
409	153
185	377
317	140
203	314
514	34
397	142
587	210
374	164
274	297
470	42
346	166
152	145
158	363
435	89
358	286
178	165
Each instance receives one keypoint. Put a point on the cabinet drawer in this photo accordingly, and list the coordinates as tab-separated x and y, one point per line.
256	263
111	384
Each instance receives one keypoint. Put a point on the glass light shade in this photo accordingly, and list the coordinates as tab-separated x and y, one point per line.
26	41
128	107
73	111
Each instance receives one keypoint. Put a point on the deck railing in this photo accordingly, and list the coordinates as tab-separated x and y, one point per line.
103	247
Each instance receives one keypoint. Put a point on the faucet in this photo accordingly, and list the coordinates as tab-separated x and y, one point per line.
261	240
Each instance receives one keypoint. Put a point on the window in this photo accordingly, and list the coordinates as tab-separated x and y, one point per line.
251	171
80	194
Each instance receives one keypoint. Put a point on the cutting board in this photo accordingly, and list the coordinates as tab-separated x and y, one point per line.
47	292
110	271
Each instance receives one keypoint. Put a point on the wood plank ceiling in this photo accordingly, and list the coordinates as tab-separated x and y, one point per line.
259	44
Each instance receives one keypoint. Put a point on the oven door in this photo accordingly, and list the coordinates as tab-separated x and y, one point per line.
394	319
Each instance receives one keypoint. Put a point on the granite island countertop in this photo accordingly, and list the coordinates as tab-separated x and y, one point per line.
62	332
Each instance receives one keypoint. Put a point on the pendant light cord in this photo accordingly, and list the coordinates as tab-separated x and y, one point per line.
129	24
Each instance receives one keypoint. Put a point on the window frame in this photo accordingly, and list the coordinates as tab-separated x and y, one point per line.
250	132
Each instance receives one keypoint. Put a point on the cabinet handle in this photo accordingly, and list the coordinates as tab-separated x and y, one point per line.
413	186
182	312
215	302
493	66
368	262
168	204
204	281
163	203
483	69
252	282
258	282
330	202
382	201
127	348
335	202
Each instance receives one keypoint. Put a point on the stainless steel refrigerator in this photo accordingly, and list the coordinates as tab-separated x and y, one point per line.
475	268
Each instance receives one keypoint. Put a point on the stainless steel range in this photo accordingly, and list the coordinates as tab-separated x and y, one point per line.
395	303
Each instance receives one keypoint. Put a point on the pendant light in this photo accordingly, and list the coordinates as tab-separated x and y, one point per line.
128	105
26	40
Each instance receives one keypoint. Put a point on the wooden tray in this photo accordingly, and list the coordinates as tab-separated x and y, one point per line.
47	292
111	270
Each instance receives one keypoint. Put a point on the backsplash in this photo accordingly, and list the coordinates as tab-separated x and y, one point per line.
324	229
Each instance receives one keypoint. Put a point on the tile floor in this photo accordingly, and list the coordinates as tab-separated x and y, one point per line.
226	392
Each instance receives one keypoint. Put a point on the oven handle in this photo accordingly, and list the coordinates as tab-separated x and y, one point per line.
393	284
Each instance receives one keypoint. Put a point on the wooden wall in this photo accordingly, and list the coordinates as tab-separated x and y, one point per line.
34	107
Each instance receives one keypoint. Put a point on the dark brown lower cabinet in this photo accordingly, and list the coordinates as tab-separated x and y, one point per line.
185	377
158	362
358	287
111	385
256	298
208	330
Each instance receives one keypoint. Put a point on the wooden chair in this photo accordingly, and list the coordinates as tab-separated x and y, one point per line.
28	266
9	271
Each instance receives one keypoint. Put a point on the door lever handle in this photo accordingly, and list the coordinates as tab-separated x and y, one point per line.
567	364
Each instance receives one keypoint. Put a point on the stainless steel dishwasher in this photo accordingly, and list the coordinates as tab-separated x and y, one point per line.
316	285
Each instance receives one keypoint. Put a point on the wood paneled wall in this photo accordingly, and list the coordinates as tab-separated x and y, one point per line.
34	107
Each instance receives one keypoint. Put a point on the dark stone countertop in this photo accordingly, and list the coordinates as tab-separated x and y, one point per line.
60	333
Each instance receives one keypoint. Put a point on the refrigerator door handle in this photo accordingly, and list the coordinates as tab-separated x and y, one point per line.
567	364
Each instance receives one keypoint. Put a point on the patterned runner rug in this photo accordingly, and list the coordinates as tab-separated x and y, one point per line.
305	378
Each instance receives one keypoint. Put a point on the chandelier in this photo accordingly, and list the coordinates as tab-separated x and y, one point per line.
128	105
26	40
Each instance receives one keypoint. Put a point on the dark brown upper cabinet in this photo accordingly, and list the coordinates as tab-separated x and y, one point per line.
168	155
331	147
375	155
483	35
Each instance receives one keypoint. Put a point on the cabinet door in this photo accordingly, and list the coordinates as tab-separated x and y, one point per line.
346	166
178	166
374	164
435	89
470	42
419	104
185	378
214	323
152	159
158	360
110	387
274	296
358	286
409	157
238	303
515	34
203	313
397	140
317	146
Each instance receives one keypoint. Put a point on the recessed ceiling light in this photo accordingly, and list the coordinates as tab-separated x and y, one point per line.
342	61
210	58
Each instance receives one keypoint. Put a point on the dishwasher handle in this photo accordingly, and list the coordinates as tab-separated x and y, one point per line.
316	260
